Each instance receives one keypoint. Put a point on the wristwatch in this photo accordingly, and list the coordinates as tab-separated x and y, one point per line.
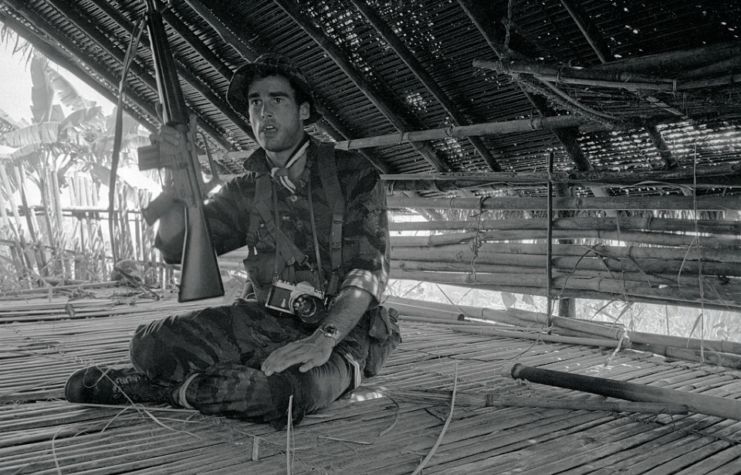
330	331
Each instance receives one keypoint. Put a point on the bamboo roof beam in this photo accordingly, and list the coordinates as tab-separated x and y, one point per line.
661	146
140	71
250	52
176	24
91	63
684	62
589	30
490	128
424	77
624	223
593	37
632	81
668	202
381	96
484	25
567	137
721	175
82	72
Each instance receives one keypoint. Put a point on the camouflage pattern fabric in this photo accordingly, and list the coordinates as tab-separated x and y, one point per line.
365	250
226	346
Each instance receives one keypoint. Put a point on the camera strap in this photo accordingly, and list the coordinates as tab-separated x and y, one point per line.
336	202
285	247
286	250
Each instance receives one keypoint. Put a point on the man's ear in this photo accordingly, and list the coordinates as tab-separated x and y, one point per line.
304	110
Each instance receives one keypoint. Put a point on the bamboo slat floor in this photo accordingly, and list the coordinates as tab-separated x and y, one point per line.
388	426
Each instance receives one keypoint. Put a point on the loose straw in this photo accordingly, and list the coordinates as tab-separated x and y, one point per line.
445	427
289	426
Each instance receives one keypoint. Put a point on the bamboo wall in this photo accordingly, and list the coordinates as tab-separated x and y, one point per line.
67	238
634	257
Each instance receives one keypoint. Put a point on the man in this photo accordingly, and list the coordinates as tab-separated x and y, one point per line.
247	360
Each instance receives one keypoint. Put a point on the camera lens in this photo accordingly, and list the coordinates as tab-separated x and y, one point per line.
308	309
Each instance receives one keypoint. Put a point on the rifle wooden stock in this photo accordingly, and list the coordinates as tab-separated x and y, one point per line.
200	277
700	403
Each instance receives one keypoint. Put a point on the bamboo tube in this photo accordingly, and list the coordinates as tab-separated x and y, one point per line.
707	356
602	224
594	295
679	60
540	337
589	405
726	294
531	255
424	309
24	250
512	316
700	403
684	280
704	203
717	175
723	346
652	238
18	255
569	75
491	128
20	176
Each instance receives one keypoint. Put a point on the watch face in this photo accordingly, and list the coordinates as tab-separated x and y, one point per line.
331	331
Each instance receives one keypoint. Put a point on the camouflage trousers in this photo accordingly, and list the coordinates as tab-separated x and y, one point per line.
219	351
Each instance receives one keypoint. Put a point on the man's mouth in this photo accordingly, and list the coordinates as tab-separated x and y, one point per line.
267	129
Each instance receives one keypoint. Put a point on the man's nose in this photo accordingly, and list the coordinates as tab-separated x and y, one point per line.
266	110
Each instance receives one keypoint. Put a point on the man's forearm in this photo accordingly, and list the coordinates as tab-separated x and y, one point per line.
348	309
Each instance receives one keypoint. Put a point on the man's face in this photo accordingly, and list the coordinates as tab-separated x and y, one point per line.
276	118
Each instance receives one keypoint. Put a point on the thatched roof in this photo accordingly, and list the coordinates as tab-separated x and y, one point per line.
659	89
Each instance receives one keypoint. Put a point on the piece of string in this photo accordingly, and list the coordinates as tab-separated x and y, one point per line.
118	132
476	241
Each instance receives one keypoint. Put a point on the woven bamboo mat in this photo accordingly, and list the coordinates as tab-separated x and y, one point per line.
388	426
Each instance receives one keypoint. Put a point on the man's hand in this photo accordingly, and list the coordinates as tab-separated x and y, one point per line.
166	136
310	352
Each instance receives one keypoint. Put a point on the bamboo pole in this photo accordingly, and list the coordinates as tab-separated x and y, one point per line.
590	405
491	128
652	238
601	78
700	403
569	223
605	343
725	295
16	255
25	252
704	203
599	295
41	261
463	252
653	279
680	60
459	260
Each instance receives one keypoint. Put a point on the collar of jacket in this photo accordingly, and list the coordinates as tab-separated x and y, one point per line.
258	162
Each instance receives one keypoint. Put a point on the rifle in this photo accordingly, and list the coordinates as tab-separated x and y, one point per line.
200	277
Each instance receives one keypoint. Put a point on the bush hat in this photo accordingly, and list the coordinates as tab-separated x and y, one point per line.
270	64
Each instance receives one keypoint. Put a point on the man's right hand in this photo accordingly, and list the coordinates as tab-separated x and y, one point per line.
167	208
166	136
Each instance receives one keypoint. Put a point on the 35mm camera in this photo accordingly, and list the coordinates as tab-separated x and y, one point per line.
301	300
